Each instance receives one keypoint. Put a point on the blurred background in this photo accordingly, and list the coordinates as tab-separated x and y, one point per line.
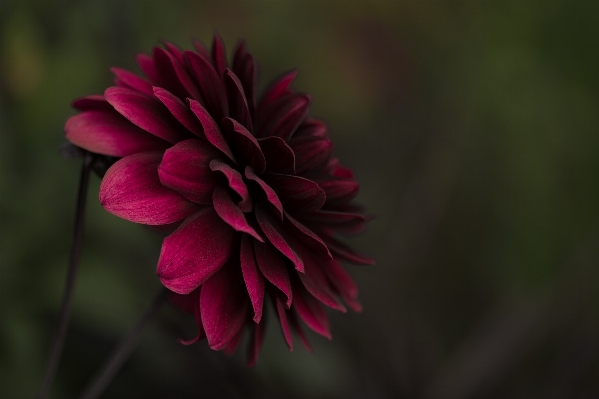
472	128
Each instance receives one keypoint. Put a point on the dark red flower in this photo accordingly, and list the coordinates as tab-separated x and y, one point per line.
253	186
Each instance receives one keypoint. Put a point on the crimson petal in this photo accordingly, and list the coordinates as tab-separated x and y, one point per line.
255	343
254	280
317	283
132	81
195	251
298	193
246	145
339	191
271	195
300	331
146	112
286	116
146	64
245	69
308	237
185	168
178	76
211	85
344	221
231	214
238	105
278	155
179	110
273	268
277	89
282	313
211	129
310	152
272	230
311	128
223	306
131	190
310	311
344	284
235	182
219	55
108	133
92	102
342	251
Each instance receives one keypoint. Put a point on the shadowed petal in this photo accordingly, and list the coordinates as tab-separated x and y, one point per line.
179	110
344	221
344	284
278	155
146	64
255	343
339	191
132	81
195	251
311	128
245	145
310	311
254	281
211	85
277	89
285	116
93	102
273	267
342	251
300	331
271	228
245	69
219	55
211	129
176	73
310	152
224	306
238	105
271	195
146	112
233	343
108	133
307	237
235	182
131	190
317	283
298	193
230	213
185	168
282	313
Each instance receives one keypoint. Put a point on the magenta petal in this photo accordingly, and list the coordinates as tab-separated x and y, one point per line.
146	64
339	191
201	49
195	251
245	69
278	155
271	228
108	133
255	343
342	251
196	310
282	313
131	190
231	214
175	72
310	311
238	105
344	284
95	102
179	110
146	112
300	331
278	89
271	195
310	152
254	281
235	182
224	306
211	129
286	117
246	145
298	193
186	169
132	81
211	85
175	51
273	267
308	238
317	283
219	55
311	128
344	221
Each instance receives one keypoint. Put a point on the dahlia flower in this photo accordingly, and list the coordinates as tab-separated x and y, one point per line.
252	188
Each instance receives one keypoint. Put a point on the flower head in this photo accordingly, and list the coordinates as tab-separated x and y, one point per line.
251	186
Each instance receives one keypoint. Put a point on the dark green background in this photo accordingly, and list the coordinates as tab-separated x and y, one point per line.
473	130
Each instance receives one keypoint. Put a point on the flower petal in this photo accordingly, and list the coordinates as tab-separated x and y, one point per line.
211	85
277	89
286	116
94	102
344	284
271	195
238	105
108	133
339	191
278	155
308	238
131	190
132	81
310	152
146	112
296	192
224	306
177	75
195	251
344	221
284	322
185	168
317	283
236	183
146	64
271	228
310	311
211	129
300	331
231	214
179	110
219	55
255	343
245	145
341	251
254	281
245	69
273	268
311	128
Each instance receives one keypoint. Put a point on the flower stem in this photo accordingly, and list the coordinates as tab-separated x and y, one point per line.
67	298
124	350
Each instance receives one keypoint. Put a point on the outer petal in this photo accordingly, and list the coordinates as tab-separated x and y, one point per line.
286	115
173	69
255	343
211	129
271	195
146	112
344	221
282	313
231	214
224	306
254	281
344	252
211	85
278	155
311	152
273	231
311	128
339	191
310	311
219	55
300	331
185	168
344	284
317	283
236	183
195	251
131	190
93	102
132	81
273	267
245	69
179	110
238	104
108	133
278	89
298	193
245	145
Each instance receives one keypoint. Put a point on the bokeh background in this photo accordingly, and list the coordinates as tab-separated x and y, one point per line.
473	129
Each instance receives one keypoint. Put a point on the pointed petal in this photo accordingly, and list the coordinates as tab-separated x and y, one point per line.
344	221
131	190
132	81
310	311
311	153
245	69
278	155
219	55
179	110
278	89
297	193
95	102
236	183
282	313
254	281
245	145
201	49
211	129
344	284
341	251
146	64
224	306
273	267
308	238
175	51
177	74
195	251
255	343
145	112
231	214
272	229
300	331
210	84
185	168
108	133
271	195
311	128
339	191
195	296
238	105
233	343
285	117
317	283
